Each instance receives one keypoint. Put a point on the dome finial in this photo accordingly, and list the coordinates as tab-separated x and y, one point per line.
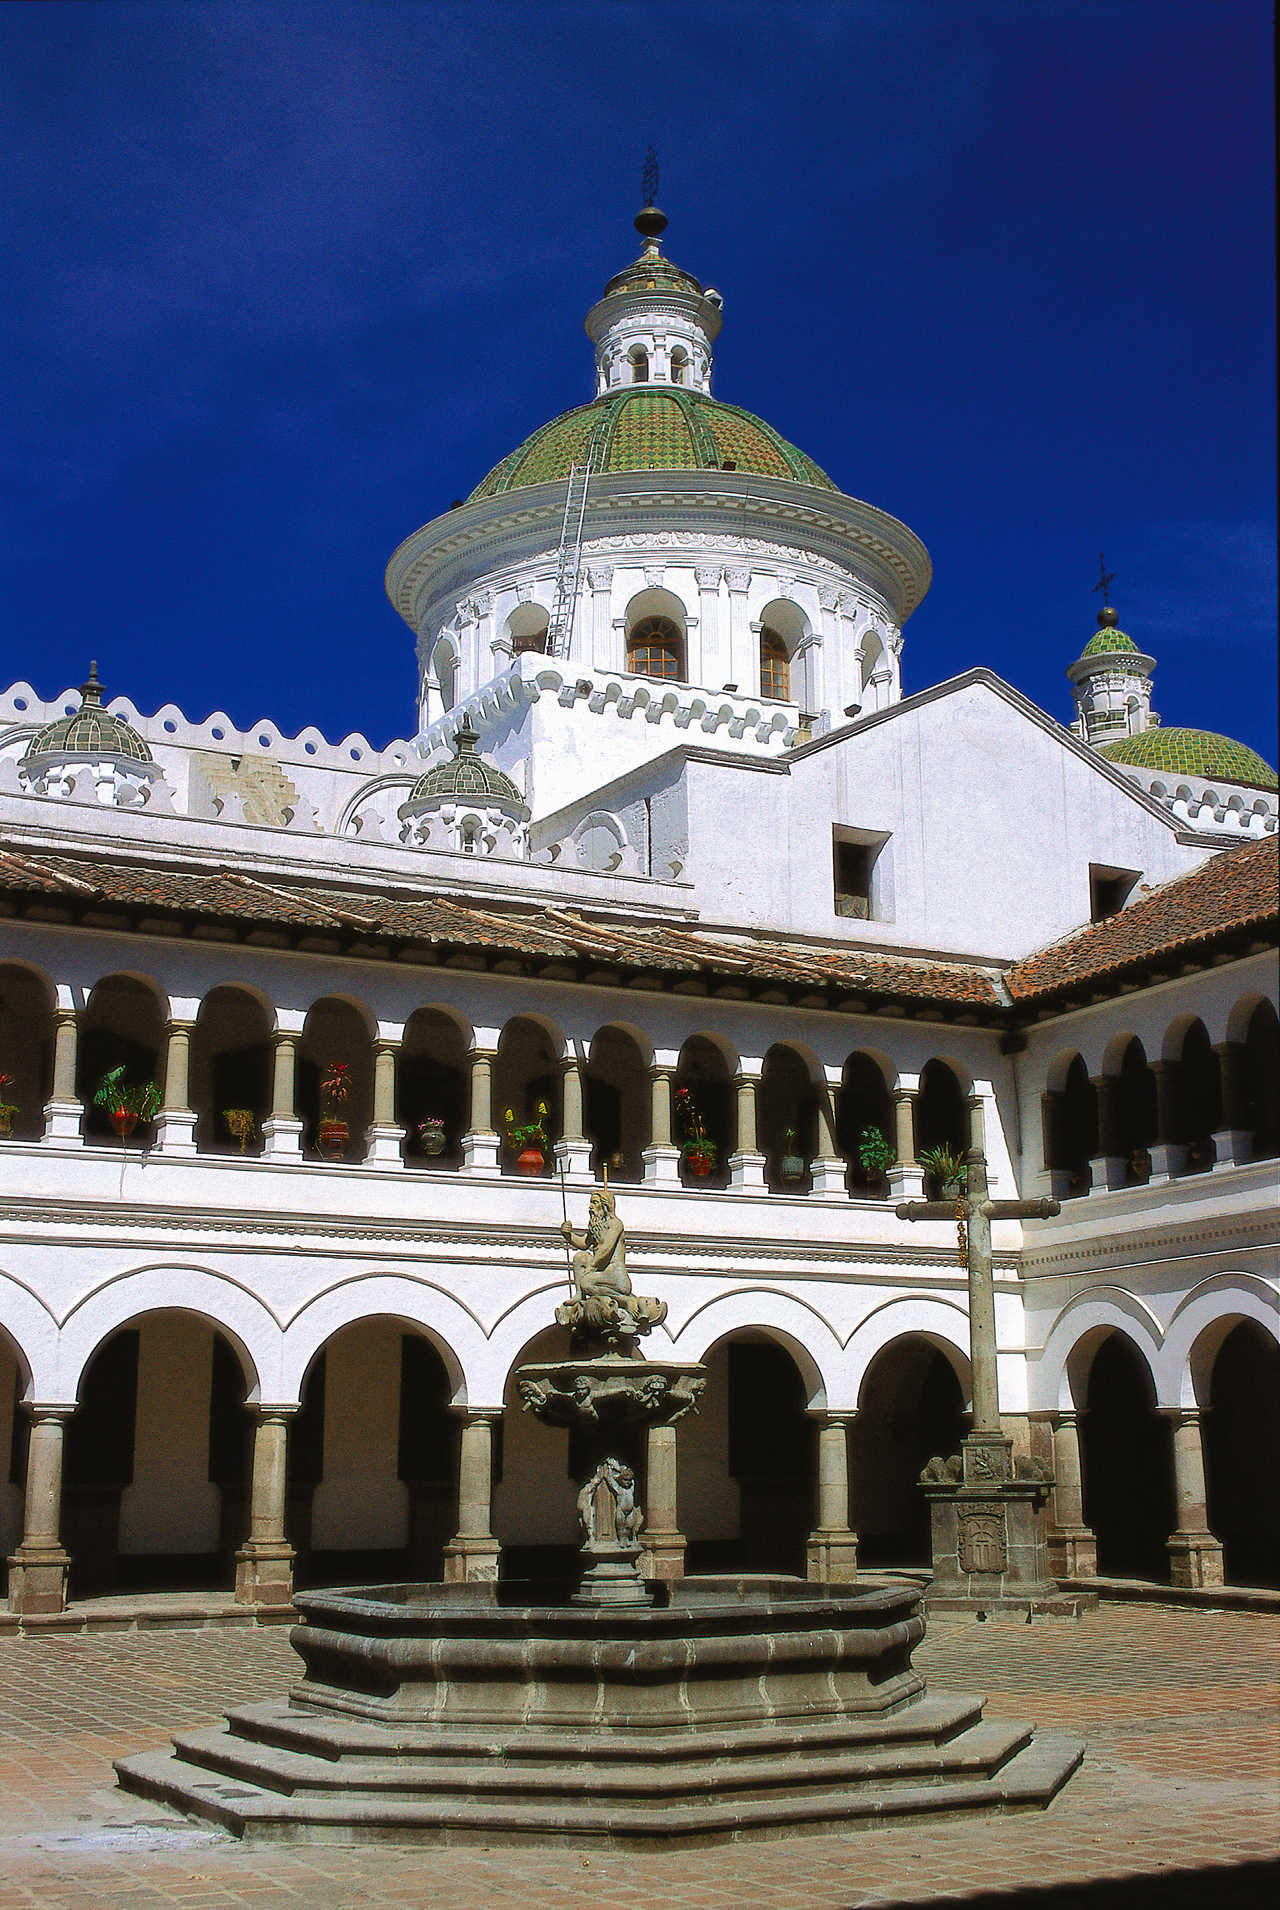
650	222
1107	617
91	689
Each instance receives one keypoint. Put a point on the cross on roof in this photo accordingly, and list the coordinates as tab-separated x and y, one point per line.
1105	580
649	178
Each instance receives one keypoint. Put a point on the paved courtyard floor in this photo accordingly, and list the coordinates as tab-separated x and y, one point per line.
1177	1803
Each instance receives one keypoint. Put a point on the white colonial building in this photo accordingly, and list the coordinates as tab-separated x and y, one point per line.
672	871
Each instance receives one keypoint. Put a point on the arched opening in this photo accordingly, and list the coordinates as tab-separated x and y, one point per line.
335	1082
444	662
655	648
526	1079
911	1410
638	359
433	1089
864	1125
617	1105
1135	1105
679	366
157	1458
746	1462
26	1052
373	1458
537	1470
123	1026
1197	1098
1241	1432
231	1072
14	1431
786	1120
1260	1080
1073	1131
527	627
704	1112
942	1121
775	667
1126	1451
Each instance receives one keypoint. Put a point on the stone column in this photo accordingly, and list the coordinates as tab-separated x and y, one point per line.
831	1556
480	1143
663	1541
38	1569
1073	1549
1195	1556
264	1563
829	1167
741	665
1108	1166
661	1158
474	1553
386	1137
176	1121
64	1112
282	1132
1168	1156
746	1163
906	1176
1232	1139
603	655
573	1149
982	1298
708	659
833	669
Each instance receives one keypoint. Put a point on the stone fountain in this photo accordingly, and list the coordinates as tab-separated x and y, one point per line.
626	1711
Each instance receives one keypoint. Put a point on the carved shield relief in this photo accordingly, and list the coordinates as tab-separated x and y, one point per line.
981	1540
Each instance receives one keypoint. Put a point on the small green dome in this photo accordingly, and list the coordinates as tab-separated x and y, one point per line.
1108	642
652	428
90	732
466	777
1191	753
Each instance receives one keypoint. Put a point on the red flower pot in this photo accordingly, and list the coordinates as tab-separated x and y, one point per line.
530	1160
333	1139
123	1121
698	1163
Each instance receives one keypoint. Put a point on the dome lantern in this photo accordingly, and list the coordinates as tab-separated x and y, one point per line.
1111	681
466	803
656	323
91	739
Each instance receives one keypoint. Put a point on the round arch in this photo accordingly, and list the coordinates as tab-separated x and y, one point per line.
425	1306
1060	1375
222	1303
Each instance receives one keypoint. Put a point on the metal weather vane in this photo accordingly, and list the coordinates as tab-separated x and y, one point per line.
649	178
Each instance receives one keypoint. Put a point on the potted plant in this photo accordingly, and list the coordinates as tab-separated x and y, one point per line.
528	1140
431	1136
241	1124
946	1169
335	1091
127	1102
7	1108
697	1150
792	1165
875	1155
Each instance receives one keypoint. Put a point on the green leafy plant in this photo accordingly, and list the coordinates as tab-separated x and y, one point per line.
120	1096
695	1142
242	1125
875	1155
945	1165
7	1108
522	1134
335	1085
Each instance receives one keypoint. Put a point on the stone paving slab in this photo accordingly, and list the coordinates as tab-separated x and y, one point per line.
1177	1804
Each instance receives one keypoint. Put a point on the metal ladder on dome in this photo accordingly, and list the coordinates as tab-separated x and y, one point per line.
569	561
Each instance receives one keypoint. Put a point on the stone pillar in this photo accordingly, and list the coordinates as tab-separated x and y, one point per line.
746	1163
573	1149
661	1158
1073	1549
1195	1556
386	1139
64	1112
982	1299
282	1131
704	665
906	1176
474	1553
1168	1155
480	1143
662	1539
264	1563
1232	1139
176	1121
38	1569
603	654
741	664
1108	1166
832	1552
833	665
829	1167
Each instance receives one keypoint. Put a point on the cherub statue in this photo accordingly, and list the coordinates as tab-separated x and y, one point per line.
603	1304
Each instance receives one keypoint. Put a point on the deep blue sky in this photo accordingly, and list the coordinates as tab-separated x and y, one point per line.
286	279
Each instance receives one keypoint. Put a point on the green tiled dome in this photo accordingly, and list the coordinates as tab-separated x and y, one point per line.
1106	642
1192	753
90	731
652	428
466	777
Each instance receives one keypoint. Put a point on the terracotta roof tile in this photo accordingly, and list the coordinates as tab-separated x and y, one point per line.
1236	889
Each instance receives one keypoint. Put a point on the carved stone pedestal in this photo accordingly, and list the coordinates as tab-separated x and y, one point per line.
990	1550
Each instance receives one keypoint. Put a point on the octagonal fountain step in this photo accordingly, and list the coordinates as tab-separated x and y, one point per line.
463	1714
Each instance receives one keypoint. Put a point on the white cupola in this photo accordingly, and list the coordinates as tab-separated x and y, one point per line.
655	324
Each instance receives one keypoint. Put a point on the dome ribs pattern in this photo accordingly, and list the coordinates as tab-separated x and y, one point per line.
1188	752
